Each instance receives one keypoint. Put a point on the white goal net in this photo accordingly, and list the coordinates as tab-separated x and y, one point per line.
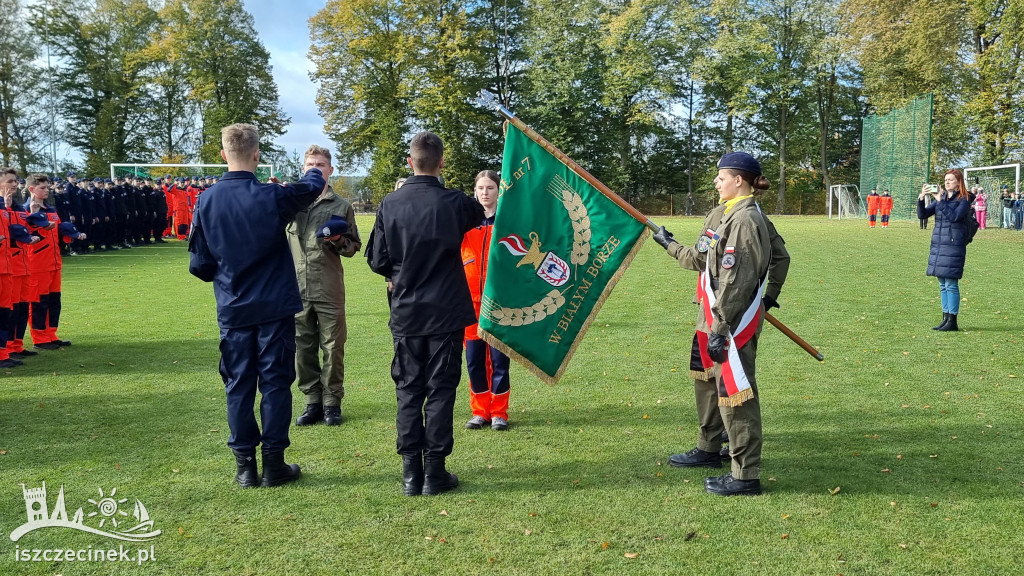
263	171
844	201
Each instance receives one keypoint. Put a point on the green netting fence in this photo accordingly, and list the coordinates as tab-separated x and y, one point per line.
896	154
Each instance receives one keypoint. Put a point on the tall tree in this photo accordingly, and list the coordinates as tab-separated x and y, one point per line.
101	79
563	91
911	47
227	68
362	52
21	119
450	70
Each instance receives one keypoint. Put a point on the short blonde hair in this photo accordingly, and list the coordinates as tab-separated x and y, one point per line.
316	150
240	139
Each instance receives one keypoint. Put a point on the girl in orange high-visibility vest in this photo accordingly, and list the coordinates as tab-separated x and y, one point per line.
488	367
885	207
872	207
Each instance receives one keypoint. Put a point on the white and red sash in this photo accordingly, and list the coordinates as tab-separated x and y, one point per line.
733	386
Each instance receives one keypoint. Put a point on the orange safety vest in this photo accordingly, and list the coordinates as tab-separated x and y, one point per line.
885	204
475	248
873	203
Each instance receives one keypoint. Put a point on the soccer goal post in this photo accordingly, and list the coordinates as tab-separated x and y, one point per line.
120	170
846	201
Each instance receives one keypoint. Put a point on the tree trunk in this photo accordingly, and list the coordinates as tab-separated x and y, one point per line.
783	119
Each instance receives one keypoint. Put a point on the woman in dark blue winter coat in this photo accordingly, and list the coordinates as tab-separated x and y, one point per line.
949	241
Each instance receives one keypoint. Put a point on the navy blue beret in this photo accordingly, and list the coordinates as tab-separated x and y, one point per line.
334	226
740	161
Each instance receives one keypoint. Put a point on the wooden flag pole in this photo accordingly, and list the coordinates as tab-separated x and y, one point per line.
488	100
793	336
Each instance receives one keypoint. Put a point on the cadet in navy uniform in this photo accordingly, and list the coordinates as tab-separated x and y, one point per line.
238	242
417	242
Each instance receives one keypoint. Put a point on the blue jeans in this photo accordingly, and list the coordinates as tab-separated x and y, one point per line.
949	292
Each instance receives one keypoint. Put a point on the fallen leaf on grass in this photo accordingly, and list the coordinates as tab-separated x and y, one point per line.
904	546
605	545
175	470
785	536
533	513
290	517
528	532
181	530
443	540
834	491
692	535
785	516
3	452
933	504
886	470
631	555
442	513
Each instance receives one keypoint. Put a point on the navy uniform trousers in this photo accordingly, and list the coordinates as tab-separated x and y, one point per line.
427	370
260	356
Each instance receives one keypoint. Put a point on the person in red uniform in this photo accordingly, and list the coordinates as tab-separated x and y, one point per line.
872	207
18	318
180	205
44	266
8	177
885	207
487	366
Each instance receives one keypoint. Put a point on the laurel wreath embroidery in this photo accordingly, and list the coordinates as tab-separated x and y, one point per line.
554	300
579	216
530	314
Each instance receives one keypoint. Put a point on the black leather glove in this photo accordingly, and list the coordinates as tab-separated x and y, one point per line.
769	303
663	237
716	347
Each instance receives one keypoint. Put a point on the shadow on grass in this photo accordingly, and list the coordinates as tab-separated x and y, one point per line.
141	357
149	428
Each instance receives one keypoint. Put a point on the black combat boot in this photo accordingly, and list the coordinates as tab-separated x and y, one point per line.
436	479
247	476
412	474
314	413
950	325
696	458
945	320
276	472
332	415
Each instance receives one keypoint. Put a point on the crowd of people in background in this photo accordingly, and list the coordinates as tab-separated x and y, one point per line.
122	212
1011	206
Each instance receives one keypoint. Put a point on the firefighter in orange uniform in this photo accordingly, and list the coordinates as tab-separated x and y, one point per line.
44	266
487	366
885	207
18	318
872	207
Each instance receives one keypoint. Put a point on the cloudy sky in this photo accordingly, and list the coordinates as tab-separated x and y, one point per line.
283	29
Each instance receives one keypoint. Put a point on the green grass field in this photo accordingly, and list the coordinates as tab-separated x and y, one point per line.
900	454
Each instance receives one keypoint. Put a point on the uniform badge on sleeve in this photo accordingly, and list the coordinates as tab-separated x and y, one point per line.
707	240
729	259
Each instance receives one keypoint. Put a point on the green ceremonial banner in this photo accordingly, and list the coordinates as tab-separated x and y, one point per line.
559	246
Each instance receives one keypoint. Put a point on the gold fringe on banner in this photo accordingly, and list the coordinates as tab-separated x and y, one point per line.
737	399
704	375
536	370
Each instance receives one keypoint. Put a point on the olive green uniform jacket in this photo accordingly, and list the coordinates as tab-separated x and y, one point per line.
321	326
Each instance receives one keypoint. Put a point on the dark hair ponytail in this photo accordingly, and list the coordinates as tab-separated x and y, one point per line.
757	181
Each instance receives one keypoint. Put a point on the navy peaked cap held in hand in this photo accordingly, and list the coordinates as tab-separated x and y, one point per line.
334	226
68	229
740	161
38	219
20	234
